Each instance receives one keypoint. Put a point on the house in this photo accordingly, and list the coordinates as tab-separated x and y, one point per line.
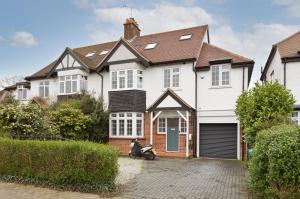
283	65
172	89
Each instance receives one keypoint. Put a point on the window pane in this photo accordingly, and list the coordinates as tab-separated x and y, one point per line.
24	93
46	83
114	80
74	86
121	82
68	87
162	125
215	75
138	127
225	78
41	91
47	91
129	127
121	114
167	78
62	78
176	80
295	114
20	94
130	78
61	87
114	127
74	77
121	127
182	125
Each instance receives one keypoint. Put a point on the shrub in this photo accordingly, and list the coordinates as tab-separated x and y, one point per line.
75	165
71	122
274	168
260	104
25	120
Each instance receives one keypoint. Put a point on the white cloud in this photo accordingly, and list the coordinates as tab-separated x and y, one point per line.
254	42
23	39
293	6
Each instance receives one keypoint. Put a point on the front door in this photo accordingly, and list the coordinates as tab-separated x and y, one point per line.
172	134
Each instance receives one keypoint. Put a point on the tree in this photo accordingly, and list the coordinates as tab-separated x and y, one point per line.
261	104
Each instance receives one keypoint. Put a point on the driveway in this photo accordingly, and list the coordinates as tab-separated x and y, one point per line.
196	178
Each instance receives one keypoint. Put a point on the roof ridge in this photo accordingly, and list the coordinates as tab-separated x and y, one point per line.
94	45
193	27
227	51
287	38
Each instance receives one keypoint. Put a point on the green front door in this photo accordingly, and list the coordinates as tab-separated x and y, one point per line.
172	134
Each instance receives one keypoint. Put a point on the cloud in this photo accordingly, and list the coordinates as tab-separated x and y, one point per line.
23	39
163	16
255	42
293	6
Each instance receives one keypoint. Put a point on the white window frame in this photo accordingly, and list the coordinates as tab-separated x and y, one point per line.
171	81
78	80
221	70
44	85
21	89
136	75
134	117
158	125
180	123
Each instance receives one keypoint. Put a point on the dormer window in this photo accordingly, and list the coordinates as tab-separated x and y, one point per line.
150	46
185	37
104	52
90	54
220	75
126	79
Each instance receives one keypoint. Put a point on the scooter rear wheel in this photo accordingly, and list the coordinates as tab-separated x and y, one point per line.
149	155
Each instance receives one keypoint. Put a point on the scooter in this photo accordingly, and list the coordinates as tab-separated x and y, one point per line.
136	150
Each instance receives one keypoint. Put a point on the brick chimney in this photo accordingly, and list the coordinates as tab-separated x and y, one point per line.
131	29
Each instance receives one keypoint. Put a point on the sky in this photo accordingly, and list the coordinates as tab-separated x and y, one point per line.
34	33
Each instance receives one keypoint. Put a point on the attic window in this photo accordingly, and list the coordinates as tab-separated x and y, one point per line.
185	37
150	46
104	52
90	54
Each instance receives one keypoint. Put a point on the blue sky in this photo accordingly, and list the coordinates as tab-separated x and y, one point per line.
33	33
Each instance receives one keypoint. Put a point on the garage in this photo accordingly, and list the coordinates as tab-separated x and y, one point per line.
218	140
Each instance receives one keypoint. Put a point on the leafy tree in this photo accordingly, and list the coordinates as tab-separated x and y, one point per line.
263	103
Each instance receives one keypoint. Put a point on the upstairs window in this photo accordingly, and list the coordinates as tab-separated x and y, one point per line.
126	79
150	46
171	77
104	52
22	92
296	117
220	75
185	37
71	84
44	89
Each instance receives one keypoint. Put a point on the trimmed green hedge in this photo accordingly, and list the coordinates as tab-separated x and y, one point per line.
275	166
73	165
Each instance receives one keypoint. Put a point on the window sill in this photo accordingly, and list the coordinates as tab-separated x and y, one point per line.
125	137
219	87
161	133
172	88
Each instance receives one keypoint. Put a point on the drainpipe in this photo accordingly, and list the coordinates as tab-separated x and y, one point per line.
195	138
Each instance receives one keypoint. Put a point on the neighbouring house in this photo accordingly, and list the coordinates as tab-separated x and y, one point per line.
283	65
3	94
172	89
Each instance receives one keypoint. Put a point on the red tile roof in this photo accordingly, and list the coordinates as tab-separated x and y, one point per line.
290	46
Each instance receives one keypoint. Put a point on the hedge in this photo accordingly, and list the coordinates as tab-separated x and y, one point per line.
275	166
82	166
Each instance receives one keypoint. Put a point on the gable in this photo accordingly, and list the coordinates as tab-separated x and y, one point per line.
169	102
68	62
122	53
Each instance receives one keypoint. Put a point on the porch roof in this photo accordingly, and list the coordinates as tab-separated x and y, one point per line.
169	92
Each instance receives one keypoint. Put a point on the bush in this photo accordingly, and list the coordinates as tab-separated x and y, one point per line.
261	104
70	122
25	120
275	166
74	165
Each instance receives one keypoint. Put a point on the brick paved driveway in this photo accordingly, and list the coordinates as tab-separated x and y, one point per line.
196	178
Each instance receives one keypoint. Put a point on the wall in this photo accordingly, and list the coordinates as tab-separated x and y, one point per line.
53	88
293	79
277	67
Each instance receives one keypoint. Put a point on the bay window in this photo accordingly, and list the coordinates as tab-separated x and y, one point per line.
126	79
71	84
44	89
126	125
220	75
171	78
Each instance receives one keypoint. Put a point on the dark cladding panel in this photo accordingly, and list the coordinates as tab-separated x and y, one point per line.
127	101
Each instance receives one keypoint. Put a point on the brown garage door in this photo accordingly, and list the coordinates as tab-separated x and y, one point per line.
218	140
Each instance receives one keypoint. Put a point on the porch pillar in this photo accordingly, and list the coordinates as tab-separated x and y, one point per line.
187	134
151	127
